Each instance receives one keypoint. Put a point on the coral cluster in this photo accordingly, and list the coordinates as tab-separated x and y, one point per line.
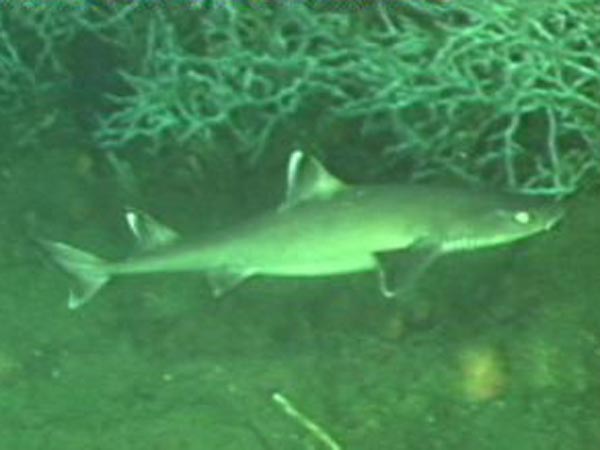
488	91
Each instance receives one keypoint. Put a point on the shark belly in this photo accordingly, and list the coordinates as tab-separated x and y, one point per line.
349	263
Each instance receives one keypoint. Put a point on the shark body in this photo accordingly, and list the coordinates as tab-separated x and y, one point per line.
324	227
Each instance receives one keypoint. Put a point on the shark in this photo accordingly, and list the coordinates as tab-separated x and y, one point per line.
324	227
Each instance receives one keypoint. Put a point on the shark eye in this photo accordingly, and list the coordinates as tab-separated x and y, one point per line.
522	217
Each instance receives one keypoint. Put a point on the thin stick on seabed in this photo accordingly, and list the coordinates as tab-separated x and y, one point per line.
318	432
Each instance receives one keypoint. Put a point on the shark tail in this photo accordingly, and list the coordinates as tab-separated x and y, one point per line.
90	271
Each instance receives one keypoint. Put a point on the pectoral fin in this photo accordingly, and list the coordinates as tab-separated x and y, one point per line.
223	281
400	269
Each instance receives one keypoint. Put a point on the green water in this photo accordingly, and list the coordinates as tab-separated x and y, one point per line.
494	350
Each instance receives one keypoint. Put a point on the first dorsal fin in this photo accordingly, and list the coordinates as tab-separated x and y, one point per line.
307	179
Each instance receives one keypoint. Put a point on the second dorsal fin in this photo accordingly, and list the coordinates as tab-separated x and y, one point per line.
148	232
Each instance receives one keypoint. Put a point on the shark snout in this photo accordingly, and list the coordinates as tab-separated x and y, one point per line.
556	213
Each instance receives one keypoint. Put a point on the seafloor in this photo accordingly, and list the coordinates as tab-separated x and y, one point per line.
495	350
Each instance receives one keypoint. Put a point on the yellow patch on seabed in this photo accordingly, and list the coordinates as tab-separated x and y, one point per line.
483	373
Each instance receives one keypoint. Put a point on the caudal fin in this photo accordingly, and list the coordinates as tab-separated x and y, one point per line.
89	271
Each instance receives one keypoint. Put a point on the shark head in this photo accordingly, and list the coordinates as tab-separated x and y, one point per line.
445	218
496	219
